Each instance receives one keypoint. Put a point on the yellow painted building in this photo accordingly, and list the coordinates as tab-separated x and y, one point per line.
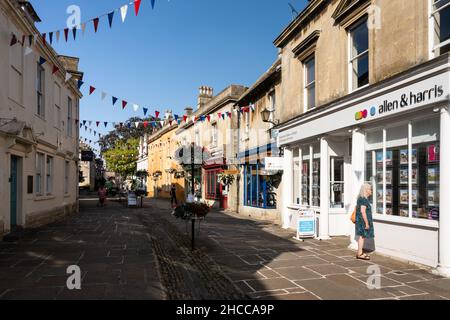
162	168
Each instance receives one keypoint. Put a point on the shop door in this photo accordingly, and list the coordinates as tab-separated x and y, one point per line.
337	182
13	191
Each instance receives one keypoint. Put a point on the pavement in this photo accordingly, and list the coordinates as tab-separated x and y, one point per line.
145	254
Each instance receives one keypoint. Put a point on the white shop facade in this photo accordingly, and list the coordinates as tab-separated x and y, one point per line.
394	135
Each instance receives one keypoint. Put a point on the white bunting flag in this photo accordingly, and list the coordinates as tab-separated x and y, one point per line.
135	107
123	12
162	123
114	124
28	51
193	118
136	124
90	123
57	33
68	76
104	94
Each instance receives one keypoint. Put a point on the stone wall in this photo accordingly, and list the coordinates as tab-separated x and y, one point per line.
45	217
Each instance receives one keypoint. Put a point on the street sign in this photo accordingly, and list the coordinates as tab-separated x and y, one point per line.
306	224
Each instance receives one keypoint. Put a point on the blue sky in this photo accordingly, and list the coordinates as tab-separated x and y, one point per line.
160	58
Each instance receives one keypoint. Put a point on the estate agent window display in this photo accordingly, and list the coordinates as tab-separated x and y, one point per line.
390	166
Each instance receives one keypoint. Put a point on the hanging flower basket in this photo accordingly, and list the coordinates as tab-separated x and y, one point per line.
225	179
187	210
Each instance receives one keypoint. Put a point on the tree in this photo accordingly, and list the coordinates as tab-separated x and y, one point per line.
128	131
122	159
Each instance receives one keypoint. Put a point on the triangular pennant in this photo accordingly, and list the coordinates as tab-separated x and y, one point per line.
96	20
136	124
104	94
145	111
162	123
145	124
229	114
84	122
74	32
97	123
223	116
176	117
55	69
68	76
137	5
42	61
121	124
184	118
124	104
13	40
105	123
114	100
28	50
170	122
80	84
179	121
135	107
85	128
153	3
51	37
91	90
90	123
66	34
123	12
209	118
157	114
83	27
57	34
110	18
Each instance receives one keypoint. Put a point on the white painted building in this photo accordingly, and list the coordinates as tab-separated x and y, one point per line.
39	134
394	134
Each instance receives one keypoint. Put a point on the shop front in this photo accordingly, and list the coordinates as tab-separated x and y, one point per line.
394	135
215	191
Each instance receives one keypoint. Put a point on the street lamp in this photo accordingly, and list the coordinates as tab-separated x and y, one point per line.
265	114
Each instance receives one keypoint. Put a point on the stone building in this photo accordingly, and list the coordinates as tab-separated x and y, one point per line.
260	190
213	127
365	98
39	112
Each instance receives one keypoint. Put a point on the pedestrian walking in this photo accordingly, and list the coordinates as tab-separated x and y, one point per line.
102	195
173	196
364	221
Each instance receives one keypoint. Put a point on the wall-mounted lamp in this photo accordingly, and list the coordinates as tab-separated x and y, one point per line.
266	113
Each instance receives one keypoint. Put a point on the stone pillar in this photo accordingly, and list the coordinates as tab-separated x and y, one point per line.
357	179
444	208
324	230
288	186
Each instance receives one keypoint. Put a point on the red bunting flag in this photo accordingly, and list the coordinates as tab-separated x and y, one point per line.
184	118
157	114
145	124
170	122
229	114
124	104
208	117
55	69
91	90
219	114
66	34
137	5
97	122
96	20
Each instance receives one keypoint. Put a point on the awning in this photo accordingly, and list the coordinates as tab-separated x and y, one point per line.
258	154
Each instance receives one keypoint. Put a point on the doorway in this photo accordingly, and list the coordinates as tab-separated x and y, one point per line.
14	191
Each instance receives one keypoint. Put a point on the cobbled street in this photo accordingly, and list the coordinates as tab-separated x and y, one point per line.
145	253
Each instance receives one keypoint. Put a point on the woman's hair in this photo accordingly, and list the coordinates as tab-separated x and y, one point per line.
364	188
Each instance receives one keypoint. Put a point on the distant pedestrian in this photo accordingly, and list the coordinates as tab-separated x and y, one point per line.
102	192
364	221
173	196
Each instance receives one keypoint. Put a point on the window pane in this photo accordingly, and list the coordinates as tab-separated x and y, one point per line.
310	71
311	92
296	176
361	71
360	39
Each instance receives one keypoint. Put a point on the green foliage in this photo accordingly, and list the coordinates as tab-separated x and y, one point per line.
122	159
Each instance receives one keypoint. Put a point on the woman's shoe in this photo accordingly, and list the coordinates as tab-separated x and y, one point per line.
363	257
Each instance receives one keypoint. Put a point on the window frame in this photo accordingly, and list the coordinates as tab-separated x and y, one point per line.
40	173
49	173
40	90
433	37
309	85
66	176
69	116
352	59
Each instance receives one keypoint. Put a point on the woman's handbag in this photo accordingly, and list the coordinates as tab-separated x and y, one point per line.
353	218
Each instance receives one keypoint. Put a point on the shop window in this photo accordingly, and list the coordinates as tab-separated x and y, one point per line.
259	190
389	172
337	182
440	17
359	55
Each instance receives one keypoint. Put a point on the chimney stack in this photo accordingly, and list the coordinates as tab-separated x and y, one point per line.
205	95
188	111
